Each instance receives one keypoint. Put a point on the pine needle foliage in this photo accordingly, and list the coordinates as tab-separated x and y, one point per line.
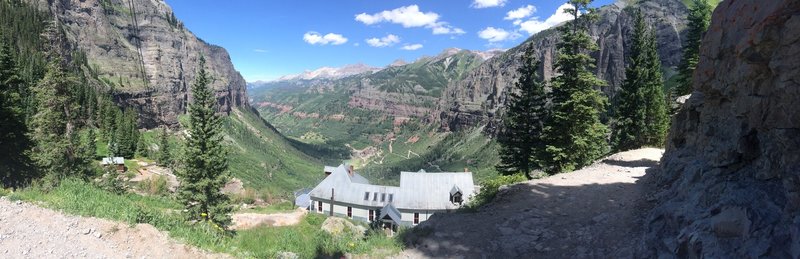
641	112
520	141
574	134
699	19
203	170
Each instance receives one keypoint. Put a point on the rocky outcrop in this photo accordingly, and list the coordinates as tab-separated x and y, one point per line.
144	53
731	172
479	97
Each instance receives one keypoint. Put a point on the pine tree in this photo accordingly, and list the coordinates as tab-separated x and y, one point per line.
699	19
641	113
573	133
520	139
126	137
164	157
204	165
51	130
13	141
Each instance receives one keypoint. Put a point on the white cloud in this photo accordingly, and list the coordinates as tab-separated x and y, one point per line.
389	40
520	13
260	50
315	38
487	3
535	25
409	17
411	47
493	34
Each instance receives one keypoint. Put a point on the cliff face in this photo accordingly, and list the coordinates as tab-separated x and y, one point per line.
478	98
731	171
140	49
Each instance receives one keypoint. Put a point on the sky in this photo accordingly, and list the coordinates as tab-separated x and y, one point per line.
269	39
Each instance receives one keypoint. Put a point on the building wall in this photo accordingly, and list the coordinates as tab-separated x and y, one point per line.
361	213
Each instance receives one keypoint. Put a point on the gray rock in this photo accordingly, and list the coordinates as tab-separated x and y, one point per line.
339	226
732	163
152	65
287	255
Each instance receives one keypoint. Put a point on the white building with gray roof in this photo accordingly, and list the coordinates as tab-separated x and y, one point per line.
345	193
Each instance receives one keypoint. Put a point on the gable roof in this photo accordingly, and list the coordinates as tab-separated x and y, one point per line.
390	211
418	191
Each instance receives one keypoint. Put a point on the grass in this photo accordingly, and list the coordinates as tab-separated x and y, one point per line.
281	207
306	239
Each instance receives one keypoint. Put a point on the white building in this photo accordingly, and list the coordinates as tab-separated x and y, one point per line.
345	193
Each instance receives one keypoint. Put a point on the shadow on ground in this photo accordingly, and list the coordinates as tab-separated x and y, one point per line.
543	221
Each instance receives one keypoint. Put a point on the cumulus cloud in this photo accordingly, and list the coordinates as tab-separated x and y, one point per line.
520	13
411	46
409	17
315	38
487	3
389	40
535	25
493	34
260	50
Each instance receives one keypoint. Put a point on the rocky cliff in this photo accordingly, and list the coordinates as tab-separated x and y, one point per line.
477	99
731	171
145	54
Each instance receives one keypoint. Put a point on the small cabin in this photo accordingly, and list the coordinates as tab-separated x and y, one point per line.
117	163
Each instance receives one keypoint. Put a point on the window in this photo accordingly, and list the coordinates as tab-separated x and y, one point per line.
366	196
319	206
383	197
371	215
416	218
391	197
350	212
374	196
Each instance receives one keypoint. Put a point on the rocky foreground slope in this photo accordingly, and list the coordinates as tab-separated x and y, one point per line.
732	165
146	54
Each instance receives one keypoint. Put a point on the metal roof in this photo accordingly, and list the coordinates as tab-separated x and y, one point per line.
393	213
421	191
113	161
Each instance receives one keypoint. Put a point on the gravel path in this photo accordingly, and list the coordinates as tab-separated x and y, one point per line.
29	231
595	212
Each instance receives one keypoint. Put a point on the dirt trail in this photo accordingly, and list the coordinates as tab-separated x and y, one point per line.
595	212
29	231
250	220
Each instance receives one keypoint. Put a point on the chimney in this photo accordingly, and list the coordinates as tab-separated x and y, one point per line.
350	170
466	170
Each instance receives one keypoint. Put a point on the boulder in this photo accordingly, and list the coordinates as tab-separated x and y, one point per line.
339	226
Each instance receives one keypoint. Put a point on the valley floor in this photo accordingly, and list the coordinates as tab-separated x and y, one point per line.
29	231
595	212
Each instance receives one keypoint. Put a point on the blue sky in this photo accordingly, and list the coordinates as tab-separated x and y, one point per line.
268	39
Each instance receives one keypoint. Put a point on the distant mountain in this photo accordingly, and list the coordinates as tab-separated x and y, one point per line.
331	72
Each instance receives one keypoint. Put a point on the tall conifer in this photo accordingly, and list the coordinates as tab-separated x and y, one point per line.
574	134
204	167
699	19
641	114
520	139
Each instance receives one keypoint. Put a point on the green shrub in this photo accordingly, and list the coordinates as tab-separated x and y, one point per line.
154	186
490	187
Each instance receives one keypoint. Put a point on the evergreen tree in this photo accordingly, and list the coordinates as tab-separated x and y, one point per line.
142	147
13	141
51	131
641	113
573	134
127	136
164	158
204	165
520	140
699	19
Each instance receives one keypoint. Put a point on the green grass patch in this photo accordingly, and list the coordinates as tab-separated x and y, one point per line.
306	239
